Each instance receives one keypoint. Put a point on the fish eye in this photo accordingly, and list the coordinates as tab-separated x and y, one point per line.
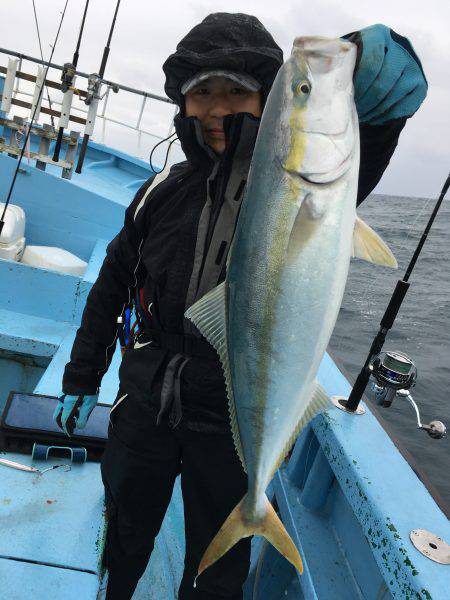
301	88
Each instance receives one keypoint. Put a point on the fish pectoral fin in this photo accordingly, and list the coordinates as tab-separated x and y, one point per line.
235	528
368	245
209	316
304	227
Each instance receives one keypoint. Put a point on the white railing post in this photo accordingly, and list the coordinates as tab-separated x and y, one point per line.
141	112
102	115
38	94
8	86
17	89
139	140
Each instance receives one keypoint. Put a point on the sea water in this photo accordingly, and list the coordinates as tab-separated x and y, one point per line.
422	327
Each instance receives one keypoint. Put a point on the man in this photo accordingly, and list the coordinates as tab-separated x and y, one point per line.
170	416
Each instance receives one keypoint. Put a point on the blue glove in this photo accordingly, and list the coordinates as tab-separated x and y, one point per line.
389	80
73	412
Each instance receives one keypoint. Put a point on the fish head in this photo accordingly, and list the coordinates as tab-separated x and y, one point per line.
318	125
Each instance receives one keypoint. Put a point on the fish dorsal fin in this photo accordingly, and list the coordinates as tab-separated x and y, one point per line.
368	245
209	316
318	403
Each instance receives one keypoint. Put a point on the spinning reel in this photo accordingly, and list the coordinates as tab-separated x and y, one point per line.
395	374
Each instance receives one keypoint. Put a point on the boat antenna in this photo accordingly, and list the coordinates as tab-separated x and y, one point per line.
2	222
390	314
67	76
95	87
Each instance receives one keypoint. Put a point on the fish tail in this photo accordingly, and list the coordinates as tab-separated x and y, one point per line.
237	527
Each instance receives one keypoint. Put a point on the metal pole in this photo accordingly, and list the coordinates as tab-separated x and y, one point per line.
112	84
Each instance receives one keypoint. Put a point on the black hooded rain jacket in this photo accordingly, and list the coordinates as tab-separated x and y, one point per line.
175	240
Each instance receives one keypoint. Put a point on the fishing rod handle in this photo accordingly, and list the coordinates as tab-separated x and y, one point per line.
106	50
104	61
364	375
58	144
358	390
386	323
394	304
82	153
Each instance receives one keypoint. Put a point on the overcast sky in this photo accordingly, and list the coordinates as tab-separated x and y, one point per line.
147	32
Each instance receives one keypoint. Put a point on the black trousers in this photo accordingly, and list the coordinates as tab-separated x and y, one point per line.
139	468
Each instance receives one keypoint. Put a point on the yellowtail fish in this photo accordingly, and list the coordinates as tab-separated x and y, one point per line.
271	319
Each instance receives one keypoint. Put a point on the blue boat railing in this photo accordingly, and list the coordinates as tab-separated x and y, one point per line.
350	502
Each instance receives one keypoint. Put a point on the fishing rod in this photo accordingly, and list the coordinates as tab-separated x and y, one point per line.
93	96
42	56
351	404
2	222
67	83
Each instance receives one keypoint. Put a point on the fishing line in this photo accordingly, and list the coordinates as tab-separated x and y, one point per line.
2	222
371	285
398	249
42	58
366	297
167	153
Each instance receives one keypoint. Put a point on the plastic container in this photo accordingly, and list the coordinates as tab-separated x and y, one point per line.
54	259
12	240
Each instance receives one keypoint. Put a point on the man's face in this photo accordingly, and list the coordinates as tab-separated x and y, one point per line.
211	100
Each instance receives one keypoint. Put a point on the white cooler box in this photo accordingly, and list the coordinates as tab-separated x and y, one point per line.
12	247
12	240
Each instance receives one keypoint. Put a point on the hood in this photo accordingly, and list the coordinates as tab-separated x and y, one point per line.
236	42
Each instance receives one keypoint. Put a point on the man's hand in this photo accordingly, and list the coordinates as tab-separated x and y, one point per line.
389	79
74	411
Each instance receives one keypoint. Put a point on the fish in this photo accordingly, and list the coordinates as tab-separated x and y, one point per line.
271	319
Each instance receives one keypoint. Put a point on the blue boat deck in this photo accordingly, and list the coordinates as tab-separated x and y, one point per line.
347	496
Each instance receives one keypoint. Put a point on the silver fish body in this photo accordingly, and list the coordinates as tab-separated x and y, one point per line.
290	260
272	318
